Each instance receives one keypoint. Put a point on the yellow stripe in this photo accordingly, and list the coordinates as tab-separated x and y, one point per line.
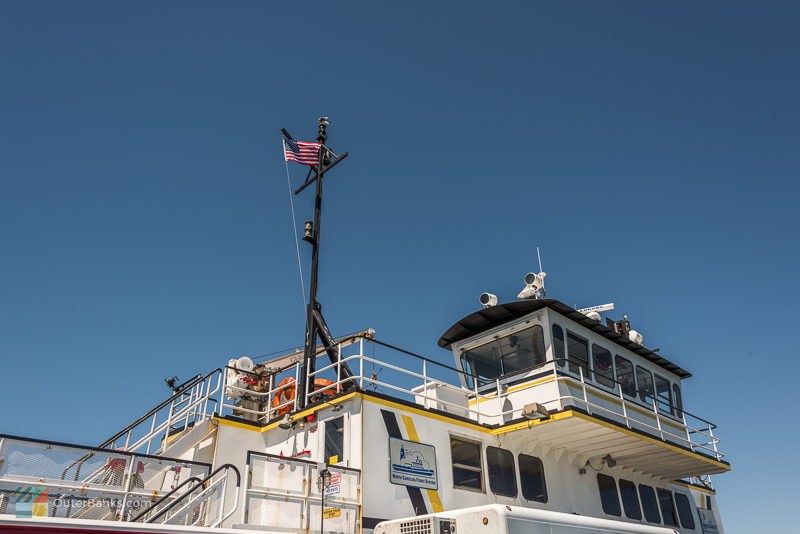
554	417
300	415
613	400
480	428
411	432
695	488
651	440
515	388
577	385
423	413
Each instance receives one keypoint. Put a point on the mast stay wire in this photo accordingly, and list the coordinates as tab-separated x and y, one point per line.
294	227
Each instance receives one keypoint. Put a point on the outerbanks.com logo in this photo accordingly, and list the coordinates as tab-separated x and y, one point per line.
31	501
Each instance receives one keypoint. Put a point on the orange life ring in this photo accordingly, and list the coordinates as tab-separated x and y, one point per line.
288	390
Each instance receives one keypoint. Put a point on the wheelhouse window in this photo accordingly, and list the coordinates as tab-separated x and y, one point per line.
630	500
644	380
531	477
625	375
558	345
649	504
334	440
678	400
608	494
684	510
577	354
667	507
508	354
466	459
663	394
502	479
603	366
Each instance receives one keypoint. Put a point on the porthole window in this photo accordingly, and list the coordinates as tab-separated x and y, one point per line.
608	494
625	376
684	510
667	506
466	459
558	345
630	499
578	354
649	504
603	366
502	479
531	477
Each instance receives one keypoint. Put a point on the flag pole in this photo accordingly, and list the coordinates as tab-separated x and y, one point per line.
315	323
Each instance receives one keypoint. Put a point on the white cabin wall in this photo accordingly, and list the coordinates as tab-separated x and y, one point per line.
568	490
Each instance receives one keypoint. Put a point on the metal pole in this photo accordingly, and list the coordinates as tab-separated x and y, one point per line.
309	356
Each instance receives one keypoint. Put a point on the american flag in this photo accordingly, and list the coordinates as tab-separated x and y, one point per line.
301	152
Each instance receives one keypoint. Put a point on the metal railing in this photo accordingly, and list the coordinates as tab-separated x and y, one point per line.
283	494
88	482
656	416
194	403
202	505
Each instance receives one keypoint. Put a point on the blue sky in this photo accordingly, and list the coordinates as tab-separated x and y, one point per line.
648	148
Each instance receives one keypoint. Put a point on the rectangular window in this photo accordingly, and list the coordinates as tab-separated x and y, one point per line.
466	459
531	477
684	510
644	380
502	479
625	376
603	366
334	440
663	394
558	345
630	500
649	504
577	354
667	507
678	400
508	354
608	494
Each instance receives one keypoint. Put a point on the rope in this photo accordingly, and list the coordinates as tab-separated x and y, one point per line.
294	227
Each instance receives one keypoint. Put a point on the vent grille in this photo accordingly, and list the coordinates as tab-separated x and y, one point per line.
417	526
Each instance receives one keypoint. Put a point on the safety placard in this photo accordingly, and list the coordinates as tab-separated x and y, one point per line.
412	464
329	513
335	485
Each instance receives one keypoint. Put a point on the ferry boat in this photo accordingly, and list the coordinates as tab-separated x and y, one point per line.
533	417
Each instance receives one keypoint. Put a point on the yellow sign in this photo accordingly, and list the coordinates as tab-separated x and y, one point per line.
329	513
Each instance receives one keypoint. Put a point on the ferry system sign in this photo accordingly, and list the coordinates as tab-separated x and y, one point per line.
412	464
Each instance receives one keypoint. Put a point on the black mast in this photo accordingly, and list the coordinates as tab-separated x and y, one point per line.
315	323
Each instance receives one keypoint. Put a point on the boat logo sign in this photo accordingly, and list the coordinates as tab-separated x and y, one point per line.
412	464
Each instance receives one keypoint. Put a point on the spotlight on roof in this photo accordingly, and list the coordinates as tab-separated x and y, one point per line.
534	283
488	300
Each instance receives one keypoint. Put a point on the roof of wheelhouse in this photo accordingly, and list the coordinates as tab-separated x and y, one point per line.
488	318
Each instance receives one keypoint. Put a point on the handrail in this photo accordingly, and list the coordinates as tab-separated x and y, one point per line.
206	479
199	379
162	499
191	384
664	410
